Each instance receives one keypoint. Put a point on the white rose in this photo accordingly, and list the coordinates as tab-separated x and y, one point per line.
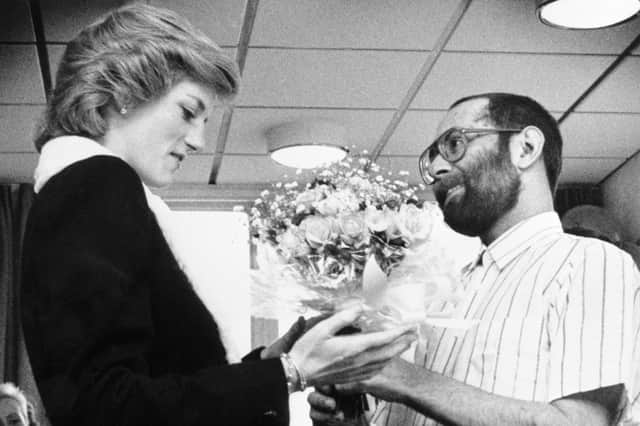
379	220
330	206
317	230
414	223
292	242
353	229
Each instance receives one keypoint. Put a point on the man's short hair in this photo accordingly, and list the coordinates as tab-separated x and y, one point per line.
508	110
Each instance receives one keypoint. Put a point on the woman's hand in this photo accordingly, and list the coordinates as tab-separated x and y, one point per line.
285	342
324	358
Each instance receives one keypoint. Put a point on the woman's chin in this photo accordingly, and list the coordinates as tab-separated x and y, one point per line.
157	181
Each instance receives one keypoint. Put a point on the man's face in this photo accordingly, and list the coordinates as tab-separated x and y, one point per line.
477	190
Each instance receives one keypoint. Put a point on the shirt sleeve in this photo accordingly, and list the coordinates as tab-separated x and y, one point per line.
593	343
89	321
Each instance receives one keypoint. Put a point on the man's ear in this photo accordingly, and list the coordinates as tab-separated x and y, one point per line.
526	147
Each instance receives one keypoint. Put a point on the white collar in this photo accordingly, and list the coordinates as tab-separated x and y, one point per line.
59	153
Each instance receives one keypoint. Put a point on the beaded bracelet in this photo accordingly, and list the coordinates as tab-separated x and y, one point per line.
295	379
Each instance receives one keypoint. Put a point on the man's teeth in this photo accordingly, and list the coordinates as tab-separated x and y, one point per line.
454	189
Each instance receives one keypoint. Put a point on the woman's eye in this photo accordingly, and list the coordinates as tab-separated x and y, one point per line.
187	114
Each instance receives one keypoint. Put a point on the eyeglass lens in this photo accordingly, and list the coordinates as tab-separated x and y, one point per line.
451	145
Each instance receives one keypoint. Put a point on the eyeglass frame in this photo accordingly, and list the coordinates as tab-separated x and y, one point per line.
439	142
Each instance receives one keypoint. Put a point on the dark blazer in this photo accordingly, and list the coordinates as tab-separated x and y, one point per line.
116	334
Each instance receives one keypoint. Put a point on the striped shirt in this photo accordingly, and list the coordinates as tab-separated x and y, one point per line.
557	314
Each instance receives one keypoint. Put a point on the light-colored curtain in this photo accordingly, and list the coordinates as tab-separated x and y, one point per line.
15	201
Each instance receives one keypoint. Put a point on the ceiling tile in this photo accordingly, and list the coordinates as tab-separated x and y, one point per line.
601	135
62	20
619	92
18	124
396	164
553	80
235	169
21	81
357	79
587	170
246	135
17	168
512	26
195	168
15	22
414	133
221	19
351	24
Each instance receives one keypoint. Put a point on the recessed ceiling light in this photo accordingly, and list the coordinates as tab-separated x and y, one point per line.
586	14
306	144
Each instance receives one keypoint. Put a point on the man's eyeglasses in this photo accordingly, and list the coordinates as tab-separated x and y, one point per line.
452	145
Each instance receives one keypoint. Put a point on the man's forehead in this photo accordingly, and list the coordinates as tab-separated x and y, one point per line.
471	113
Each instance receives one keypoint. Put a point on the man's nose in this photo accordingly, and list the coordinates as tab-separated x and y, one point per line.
438	167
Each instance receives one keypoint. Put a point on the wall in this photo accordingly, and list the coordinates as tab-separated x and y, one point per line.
621	196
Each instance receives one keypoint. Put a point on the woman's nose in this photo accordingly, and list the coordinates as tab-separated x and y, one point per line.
196	139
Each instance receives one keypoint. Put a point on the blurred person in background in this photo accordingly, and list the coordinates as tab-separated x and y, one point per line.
15	409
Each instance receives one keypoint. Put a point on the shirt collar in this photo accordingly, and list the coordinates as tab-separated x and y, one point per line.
519	238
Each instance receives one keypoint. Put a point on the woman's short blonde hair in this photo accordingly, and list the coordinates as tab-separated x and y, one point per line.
132	55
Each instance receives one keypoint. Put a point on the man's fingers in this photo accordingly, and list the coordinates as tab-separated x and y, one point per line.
325	418
348	389
322	402
325	389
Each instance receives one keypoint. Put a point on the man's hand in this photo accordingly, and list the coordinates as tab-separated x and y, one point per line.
387	385
390	384
324	408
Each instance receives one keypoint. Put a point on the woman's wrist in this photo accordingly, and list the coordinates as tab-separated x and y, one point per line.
296	380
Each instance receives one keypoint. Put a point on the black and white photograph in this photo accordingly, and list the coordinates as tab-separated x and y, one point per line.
319	212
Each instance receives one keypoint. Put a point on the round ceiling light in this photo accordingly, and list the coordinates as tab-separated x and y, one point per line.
586	14
306	144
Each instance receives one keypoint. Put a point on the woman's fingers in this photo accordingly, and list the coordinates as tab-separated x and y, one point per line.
357	343
338	321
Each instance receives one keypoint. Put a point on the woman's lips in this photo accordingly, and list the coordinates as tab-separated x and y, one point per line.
178	156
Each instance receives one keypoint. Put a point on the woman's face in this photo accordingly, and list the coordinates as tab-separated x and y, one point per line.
156	137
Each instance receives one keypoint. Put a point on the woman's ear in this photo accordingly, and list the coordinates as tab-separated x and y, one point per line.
526	147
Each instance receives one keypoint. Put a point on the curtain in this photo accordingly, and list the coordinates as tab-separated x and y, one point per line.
15	201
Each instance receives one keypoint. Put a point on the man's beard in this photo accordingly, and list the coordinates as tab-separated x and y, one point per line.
491	188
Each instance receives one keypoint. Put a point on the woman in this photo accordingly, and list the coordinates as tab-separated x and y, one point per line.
115	330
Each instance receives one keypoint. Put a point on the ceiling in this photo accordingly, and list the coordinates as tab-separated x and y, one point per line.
353	61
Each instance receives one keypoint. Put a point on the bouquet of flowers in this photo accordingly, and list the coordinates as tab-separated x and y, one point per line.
351	232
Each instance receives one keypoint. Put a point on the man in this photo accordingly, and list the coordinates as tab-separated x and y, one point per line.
558	315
